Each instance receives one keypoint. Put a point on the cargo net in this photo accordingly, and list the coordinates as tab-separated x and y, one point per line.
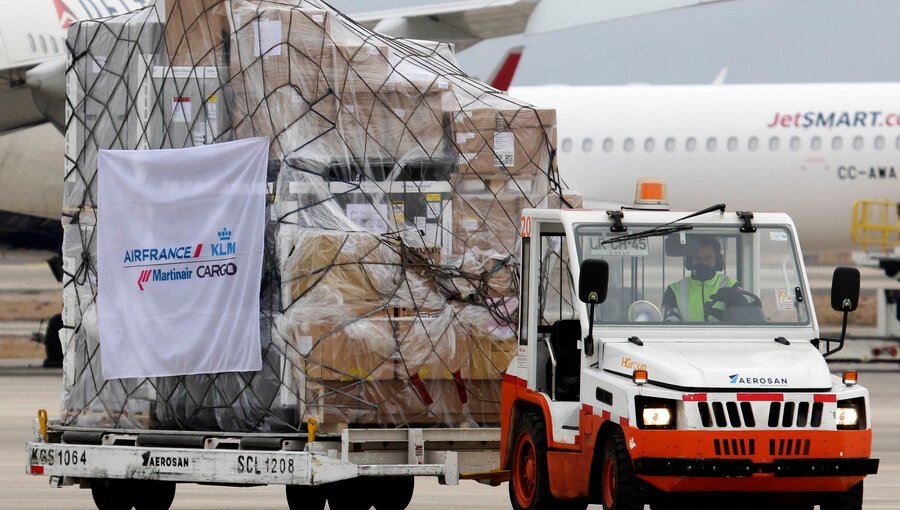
389	295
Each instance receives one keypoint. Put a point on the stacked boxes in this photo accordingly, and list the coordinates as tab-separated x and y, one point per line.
504	141
390	278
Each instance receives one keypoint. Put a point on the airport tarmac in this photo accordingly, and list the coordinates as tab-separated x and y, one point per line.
21	393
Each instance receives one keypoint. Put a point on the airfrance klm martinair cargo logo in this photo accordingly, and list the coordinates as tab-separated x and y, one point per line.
201	260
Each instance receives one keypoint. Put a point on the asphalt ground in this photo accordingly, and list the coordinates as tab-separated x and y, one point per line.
24	390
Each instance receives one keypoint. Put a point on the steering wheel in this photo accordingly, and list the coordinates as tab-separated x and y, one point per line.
732	297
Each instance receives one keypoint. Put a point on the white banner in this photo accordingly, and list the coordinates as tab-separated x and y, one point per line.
179	251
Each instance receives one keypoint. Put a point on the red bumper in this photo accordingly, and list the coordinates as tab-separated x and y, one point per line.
751	461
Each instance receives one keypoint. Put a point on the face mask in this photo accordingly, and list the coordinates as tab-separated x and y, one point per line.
703	273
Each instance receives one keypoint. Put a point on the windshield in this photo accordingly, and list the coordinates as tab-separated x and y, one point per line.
709	275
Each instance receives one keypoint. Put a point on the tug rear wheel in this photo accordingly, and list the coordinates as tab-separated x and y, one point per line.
529	487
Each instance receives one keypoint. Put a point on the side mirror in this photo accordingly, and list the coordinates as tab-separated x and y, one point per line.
844	298
845	289
593	281
592	284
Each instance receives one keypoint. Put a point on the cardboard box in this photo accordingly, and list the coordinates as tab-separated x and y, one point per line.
492	356
320	265
504	141
424	208
278	86
568	199
196	31
347	349
399	122
189	107
430	349
487	222
493	343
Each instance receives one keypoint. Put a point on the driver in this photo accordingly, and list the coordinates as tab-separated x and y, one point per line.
686	300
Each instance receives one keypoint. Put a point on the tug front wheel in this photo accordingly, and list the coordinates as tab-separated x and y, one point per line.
848	500
620	487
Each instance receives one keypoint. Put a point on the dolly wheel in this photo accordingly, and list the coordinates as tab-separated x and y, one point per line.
153	495
305	497
111	494
353	494
392	493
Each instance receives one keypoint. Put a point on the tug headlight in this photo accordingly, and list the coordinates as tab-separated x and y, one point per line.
657	416
847	417
851	414
655	413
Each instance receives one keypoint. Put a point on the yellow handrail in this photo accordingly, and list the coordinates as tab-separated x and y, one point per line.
876	223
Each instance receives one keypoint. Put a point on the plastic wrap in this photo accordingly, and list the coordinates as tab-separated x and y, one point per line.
390	275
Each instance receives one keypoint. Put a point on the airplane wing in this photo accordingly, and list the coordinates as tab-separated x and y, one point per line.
468	22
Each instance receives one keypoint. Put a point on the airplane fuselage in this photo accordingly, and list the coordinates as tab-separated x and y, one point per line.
809	150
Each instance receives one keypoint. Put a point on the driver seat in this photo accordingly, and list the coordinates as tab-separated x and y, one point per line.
564	339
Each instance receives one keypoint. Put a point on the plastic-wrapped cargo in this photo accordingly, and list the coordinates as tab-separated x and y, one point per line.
390	278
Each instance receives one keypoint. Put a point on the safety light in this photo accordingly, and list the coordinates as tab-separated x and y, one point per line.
850	378
657	416
846	417
639	377
651	194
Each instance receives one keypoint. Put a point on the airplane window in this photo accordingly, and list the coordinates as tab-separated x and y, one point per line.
608	145
753	143
836	143
649	144
879	143
53	45
567	145
711	144
587	145
691	144
732	144
857	143
31	43
816	143
43	43
670	144
774	143
795	143
628	144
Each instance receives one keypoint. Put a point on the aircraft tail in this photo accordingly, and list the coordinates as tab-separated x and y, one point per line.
503	74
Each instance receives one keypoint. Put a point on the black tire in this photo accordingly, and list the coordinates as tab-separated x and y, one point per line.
529	487
305	497
111	494
851	499
153	495
52	345
351	494
620	488
392	493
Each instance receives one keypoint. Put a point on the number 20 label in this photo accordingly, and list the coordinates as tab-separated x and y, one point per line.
525	230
